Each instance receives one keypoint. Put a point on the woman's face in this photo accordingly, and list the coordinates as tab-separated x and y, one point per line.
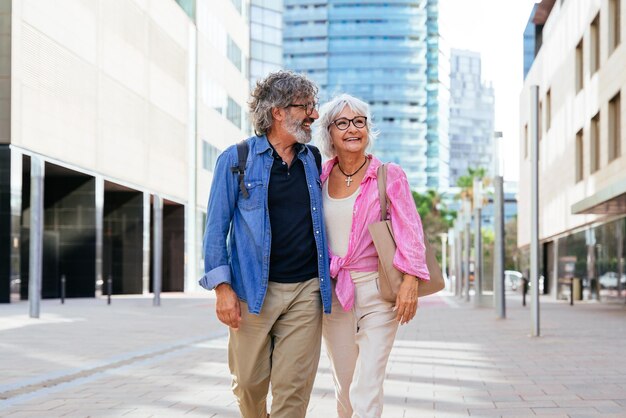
346	137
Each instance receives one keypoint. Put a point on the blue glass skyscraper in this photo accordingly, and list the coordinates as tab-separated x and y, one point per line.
379	52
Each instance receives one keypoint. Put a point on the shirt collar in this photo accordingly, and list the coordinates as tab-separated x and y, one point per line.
262	145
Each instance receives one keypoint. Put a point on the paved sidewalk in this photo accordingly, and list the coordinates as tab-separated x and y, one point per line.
134	360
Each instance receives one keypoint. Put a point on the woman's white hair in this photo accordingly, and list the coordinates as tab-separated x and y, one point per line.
329	112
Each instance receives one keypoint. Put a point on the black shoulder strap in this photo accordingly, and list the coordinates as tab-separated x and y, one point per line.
242	156
318	157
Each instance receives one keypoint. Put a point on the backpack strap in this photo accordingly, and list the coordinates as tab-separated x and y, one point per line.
382	190
242	156
318	157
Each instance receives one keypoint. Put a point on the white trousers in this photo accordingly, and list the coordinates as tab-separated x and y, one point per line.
358	343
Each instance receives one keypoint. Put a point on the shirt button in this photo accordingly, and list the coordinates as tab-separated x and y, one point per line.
313	208
320	255
317	232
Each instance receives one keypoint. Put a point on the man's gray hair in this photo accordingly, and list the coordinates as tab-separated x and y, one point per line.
329	112
279	89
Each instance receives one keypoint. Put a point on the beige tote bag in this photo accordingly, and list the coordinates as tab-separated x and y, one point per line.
389	278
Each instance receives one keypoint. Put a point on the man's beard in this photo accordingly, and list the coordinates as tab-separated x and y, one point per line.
294	127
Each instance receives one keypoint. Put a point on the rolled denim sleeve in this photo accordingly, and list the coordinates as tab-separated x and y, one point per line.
220	210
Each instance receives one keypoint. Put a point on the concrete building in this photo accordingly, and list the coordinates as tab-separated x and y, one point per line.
379	52
471	124
112	115
579	68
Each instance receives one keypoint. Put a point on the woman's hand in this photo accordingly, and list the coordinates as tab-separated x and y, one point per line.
406	301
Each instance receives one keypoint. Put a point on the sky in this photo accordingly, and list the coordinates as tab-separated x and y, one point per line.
495	29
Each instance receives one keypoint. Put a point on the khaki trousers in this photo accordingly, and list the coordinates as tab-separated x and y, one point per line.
359	343
281	346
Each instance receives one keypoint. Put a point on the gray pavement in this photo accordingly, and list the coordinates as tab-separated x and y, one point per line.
87	359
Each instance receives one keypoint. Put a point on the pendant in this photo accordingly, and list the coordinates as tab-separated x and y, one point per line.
348	180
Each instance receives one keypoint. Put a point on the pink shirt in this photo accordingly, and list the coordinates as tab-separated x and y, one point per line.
407	229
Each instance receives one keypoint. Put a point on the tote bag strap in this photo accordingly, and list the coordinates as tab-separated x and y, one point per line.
382	190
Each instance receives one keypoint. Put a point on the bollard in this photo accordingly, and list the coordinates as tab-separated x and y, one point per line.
109	289
524	290
571	291
62	289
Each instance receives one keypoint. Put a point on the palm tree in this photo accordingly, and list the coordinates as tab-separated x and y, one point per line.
466	183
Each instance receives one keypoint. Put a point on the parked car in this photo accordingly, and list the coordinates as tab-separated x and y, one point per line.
609	280
512	279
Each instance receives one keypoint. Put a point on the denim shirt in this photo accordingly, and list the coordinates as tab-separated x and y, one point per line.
238	236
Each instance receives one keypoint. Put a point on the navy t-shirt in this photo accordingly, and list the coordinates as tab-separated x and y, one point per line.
293	255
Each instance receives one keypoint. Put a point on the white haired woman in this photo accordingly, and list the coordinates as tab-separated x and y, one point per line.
360	331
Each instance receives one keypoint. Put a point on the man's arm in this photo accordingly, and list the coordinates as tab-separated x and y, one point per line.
220	210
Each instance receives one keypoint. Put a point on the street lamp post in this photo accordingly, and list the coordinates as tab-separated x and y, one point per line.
478	242
452	260
498	247
534	208
444	264
467	212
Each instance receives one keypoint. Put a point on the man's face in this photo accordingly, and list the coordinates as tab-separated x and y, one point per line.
299	117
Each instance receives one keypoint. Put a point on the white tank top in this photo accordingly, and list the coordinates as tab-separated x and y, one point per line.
338	219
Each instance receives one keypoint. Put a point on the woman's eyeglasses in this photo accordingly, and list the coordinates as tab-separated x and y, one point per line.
343	123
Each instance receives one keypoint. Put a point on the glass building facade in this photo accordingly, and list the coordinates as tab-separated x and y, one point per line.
471	116
377	51
529	42
266	38
437	87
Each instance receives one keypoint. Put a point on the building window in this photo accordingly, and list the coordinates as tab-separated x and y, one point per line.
579	66
594	144
233	113
233	52
209	156
548	110
189	6
579	156
237	4
615	21
594	57
615	131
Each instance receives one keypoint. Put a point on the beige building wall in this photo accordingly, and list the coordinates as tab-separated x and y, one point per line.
218	79
5	71
103	85
567	112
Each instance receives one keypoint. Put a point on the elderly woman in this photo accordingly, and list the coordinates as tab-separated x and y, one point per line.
360	331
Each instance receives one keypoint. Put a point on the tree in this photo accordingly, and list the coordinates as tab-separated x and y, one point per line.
511	252
466	183
436	217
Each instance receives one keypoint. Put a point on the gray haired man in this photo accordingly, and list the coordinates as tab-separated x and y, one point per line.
265	251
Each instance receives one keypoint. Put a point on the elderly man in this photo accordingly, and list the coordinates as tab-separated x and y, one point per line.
265	250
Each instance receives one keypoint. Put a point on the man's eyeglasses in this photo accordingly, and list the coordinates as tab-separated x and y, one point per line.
308	107
344	123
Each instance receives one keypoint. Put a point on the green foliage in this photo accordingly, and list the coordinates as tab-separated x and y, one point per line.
511	252
436	217
466	183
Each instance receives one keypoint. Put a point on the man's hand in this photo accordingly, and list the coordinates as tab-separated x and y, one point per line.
227	306
406	301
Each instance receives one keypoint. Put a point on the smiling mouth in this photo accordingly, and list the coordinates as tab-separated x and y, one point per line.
352	139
